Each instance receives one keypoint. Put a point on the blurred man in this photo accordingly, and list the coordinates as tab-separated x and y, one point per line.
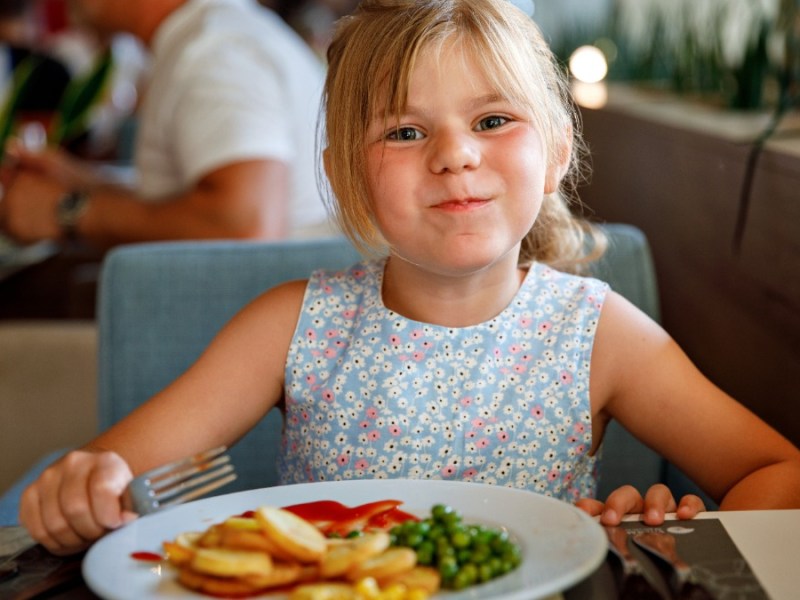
226	139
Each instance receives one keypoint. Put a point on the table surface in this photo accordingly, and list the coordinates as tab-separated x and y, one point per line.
769	540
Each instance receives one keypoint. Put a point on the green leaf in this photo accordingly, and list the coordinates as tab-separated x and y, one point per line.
72	114
19	87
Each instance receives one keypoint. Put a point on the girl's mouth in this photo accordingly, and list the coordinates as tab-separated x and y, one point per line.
461	204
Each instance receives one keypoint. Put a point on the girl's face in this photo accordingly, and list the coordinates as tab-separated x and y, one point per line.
458	181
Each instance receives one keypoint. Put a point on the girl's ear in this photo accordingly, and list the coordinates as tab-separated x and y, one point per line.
560	164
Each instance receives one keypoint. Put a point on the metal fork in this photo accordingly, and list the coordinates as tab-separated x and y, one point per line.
179	481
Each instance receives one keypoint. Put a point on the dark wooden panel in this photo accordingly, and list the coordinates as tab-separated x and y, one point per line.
736	315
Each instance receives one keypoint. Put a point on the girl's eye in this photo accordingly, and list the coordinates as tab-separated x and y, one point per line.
404	134
492	122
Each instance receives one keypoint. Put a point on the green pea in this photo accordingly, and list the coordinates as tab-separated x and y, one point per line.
460	539
462	580
448	567
425	553
480	552
413	539
440	510
436	532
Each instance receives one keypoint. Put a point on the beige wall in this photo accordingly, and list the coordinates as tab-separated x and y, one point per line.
48	390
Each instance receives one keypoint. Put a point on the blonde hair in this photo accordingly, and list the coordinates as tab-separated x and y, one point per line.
370	60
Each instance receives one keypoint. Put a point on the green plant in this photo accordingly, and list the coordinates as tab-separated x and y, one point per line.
20	81
71	117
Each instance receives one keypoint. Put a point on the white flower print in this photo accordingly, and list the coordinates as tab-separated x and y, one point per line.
460	395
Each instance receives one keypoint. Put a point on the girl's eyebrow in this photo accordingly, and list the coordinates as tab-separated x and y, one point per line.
471	105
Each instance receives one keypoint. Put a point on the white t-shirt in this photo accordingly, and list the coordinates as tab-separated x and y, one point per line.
230	81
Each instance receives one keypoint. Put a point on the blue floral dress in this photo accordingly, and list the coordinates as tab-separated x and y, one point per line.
372	394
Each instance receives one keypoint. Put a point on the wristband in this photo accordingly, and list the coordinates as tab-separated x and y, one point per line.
69	211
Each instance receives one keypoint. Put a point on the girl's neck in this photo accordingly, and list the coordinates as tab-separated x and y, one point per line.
450	301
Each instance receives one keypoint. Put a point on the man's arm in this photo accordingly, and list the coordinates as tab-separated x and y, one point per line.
242	200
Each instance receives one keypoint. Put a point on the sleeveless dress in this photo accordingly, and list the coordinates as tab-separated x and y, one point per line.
372	394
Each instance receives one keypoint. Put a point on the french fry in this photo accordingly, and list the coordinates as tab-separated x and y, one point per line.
245	556
387	564
295	536
221	587
323	591
178	554
230	563
343	556
418	578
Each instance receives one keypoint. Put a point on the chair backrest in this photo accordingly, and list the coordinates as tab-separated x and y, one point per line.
628	268
160	305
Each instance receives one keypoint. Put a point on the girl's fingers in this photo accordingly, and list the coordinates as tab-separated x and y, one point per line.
106	485
590	506
76	501
622	501
627	500
657	502
689	506
31	518
64	538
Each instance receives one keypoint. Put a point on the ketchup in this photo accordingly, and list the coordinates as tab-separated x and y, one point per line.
334	517
147	556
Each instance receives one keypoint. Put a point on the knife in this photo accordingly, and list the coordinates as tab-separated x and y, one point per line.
8	564
663	547
633	582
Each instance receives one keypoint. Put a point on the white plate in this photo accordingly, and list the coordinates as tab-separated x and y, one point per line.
560	544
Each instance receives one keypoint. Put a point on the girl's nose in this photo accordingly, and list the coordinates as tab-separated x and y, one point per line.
454	152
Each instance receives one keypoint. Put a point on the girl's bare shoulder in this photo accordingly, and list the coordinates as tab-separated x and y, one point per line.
275	310
282	301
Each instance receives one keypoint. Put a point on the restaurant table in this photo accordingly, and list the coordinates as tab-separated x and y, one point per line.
768	540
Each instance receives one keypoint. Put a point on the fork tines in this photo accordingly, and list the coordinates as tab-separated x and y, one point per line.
183	480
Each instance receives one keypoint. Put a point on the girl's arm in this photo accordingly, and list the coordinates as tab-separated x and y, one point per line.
233	384
644	380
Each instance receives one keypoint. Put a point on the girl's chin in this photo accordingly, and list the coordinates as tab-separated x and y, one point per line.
461	261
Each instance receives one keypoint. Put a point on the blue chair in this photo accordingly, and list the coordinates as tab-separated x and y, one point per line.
160	304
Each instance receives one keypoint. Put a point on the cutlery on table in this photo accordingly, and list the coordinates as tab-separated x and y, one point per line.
179	481
168	485
663	546
632	581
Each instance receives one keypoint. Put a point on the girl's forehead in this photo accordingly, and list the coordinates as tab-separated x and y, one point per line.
435	59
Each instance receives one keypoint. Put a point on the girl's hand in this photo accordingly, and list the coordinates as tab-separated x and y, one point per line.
76	500
627	500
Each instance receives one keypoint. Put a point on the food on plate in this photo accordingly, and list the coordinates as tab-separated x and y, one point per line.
344	555
463	554
334	519
393	561
294	536
224	562
327	551
272	548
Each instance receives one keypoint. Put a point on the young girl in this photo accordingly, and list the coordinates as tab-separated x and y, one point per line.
459	351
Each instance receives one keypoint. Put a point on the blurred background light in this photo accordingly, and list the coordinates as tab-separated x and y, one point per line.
588	64
590	95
